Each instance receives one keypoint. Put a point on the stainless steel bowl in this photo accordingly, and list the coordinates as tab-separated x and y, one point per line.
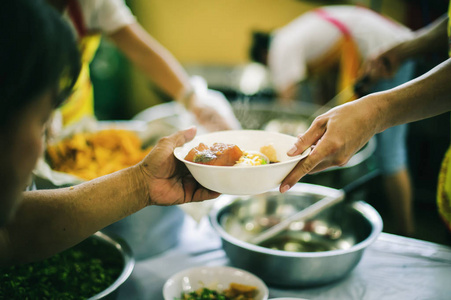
309	253
116	247
94	268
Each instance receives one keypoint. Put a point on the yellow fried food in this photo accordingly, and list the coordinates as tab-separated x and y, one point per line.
91	155
270	152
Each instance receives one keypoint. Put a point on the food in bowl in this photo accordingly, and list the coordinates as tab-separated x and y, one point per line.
253	158
318	251
241	179
220	154
89	155
212	279
92	269
236	291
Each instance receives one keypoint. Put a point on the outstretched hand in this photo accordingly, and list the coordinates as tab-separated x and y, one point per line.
168	180
336	136
383	65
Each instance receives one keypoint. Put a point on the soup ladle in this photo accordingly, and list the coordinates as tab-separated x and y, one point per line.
314	209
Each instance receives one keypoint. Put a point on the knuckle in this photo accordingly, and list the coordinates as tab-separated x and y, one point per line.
340	161
307	166
301	140
319	122
164	140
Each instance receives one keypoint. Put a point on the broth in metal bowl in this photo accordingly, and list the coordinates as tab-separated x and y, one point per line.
317	251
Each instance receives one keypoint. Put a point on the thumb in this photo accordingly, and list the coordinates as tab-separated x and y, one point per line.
184	136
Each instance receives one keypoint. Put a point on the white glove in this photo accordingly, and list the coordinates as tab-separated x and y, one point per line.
211	108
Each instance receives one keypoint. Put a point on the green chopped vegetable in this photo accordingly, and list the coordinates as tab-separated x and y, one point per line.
203	294
77	273
234	292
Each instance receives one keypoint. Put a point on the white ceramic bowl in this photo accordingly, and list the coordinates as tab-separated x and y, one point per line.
243	180
217	277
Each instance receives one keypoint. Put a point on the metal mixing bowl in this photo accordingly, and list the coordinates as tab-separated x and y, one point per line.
116	247
309	253
93	269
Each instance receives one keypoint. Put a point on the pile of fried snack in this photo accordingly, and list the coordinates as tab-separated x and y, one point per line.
94	154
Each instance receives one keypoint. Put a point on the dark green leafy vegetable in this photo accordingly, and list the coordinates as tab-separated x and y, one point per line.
77	273
235	291
203	294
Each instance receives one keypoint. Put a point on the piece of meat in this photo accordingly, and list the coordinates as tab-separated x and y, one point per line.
219	154
195	151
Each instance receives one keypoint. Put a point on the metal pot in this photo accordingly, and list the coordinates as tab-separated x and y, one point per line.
314	252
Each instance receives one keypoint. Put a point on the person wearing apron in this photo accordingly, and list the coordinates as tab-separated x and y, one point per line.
342	37
342	131
81	102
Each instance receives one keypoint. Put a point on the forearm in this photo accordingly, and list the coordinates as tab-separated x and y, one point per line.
426	96
157	63
426	40
50	221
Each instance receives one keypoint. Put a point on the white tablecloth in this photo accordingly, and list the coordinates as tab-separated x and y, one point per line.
394	267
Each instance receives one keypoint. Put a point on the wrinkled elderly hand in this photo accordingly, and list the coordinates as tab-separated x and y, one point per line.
168	180
336	135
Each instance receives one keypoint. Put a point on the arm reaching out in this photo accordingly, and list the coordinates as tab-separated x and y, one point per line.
342	131
386	63
160	66
49	221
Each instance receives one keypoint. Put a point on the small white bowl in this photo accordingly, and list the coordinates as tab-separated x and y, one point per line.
217	277
243	180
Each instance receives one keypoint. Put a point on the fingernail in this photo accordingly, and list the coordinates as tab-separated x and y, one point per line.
292	150
285	188
189	132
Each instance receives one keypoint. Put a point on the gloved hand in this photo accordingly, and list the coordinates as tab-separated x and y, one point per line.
211	108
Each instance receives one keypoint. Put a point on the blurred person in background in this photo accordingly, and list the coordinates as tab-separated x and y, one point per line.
333	42
342	131
92	19
39	65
